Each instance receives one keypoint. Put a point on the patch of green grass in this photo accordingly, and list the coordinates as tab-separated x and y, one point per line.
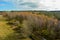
6	32
4	28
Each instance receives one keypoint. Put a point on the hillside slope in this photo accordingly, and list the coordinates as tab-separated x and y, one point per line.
6	32
4	28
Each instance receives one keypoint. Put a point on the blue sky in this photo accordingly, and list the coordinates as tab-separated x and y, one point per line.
7	5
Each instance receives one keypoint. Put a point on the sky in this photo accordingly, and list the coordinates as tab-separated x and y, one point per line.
48	5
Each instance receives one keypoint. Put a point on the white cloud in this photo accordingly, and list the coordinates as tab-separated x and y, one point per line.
52	4
40	4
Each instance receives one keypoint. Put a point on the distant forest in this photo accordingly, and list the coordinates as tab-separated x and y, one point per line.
56	14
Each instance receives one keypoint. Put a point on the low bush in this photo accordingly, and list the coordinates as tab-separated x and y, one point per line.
37	27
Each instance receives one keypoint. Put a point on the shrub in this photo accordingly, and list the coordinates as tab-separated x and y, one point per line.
39	25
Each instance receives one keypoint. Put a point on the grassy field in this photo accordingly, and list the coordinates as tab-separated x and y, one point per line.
6	33
4	28
21	26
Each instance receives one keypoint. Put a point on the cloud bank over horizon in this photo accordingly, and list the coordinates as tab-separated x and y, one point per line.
30	5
